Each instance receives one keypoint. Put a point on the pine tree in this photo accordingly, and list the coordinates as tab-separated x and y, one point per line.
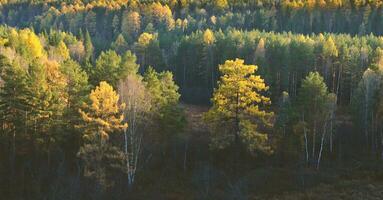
119	45
46	86
162	88
221	4
130	24
103	114
63	51
283	113
90	22
89	49
59	53
116	25
128	64
149	52
107	68
13	105
330	52
238	114
142	47
167	117
209	39
76	91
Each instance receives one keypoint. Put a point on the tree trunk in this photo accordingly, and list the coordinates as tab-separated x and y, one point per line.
307	151
365	118
338	85
306	141
13	153
237	131
314	139
334	80
126	147
381	141
321	145
212	69
184	75
331	129
331	133
185	153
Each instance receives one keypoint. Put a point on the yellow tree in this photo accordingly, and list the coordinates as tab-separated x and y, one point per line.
161	14
237	115
32	42
59	53
26	43
131	23
145	39
103	114
330	52
208	39
142	44
221	4
260	51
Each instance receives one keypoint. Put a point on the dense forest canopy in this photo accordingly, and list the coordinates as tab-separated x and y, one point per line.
223	99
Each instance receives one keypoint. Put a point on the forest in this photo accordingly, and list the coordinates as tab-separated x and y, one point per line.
191	99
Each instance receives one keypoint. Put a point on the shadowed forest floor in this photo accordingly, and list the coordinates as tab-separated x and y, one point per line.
346	190
203	177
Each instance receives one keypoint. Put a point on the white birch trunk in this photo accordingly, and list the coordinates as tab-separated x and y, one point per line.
321	146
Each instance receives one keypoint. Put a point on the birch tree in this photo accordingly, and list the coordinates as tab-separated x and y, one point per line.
138	103
314	106
366	101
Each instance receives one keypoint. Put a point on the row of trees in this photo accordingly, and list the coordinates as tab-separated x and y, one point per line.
240	115
284	60
216	5
108	114
133	18
53	118
304	126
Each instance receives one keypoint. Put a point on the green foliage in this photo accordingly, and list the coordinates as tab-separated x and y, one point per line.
170	119
78	89
89	49
112	68
329	48
312	96
101	165
128	64
367	104
130	24
161	87
238	108
13	95
107	68
42	88
284	113
119	45
316	107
